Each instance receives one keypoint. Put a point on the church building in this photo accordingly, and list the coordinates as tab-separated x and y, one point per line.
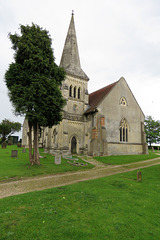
108	121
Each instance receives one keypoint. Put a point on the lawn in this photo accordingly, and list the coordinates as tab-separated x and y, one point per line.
124	159
18	168
112	208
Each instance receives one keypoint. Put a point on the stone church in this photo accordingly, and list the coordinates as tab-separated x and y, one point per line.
108	121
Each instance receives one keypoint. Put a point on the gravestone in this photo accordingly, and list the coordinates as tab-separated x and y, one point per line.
65	155
23	150
14	153
9	142
19	144
4	144
57	159
152	149
69	157
139	176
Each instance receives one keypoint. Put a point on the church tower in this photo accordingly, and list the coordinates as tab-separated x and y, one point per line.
70	136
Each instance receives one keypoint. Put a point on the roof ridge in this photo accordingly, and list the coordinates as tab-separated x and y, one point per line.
103	87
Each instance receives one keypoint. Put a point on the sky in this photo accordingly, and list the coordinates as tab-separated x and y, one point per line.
118	38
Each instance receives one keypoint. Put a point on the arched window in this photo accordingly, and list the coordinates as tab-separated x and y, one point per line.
123	130
54	136
123	101
70	91
79	93
74	93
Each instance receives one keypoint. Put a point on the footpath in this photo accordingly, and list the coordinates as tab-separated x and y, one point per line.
51	181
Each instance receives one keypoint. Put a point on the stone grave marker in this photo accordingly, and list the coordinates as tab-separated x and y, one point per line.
19	144
57	159
14	153
152	149
4	144
23	150
139	176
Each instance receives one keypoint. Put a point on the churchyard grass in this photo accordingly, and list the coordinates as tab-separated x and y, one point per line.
124	159
112	208
18	168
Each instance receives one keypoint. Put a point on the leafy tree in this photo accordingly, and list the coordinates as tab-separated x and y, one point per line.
7	128
152	129
34	81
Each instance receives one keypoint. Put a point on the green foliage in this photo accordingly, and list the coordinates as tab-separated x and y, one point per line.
112	208
7	128
152	129
34	79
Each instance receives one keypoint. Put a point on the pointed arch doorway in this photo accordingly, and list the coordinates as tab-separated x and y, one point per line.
74	145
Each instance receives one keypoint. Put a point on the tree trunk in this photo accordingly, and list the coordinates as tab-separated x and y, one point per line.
30	143
36	148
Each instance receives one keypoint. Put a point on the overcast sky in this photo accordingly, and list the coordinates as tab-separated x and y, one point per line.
115	38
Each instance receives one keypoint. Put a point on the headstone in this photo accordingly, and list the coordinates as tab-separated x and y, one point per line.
19	144
4	144
158	149
42	156
23	150
14	153
70	158
152	149
139	176
57	159
65	155
9	142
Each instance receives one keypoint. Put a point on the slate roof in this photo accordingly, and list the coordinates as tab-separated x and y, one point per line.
96	97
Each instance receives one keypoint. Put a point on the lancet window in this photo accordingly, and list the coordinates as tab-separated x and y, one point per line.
123	129
74	93
70	91
79	93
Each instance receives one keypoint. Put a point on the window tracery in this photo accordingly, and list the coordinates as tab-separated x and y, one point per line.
123	130
123	101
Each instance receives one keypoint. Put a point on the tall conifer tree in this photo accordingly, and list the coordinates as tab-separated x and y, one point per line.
34	80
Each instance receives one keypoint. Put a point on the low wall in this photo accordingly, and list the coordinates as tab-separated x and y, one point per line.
124	149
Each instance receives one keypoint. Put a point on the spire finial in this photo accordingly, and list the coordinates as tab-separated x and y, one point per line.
72	12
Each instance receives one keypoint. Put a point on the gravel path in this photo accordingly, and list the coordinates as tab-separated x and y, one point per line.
45	182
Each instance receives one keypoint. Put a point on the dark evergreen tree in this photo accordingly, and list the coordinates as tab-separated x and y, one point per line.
34	80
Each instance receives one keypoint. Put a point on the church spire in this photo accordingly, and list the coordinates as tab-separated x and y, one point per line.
70	60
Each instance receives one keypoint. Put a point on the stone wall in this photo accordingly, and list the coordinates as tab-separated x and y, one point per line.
105	138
